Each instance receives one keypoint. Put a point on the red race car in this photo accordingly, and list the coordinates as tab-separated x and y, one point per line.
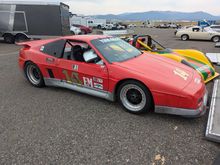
112	69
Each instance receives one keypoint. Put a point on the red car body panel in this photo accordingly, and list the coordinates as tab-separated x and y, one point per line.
163	77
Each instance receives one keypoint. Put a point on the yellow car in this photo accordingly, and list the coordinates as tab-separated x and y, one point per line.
192	58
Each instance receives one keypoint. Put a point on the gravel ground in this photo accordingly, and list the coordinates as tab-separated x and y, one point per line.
57	126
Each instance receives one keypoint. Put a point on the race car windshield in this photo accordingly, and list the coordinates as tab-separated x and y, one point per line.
115	49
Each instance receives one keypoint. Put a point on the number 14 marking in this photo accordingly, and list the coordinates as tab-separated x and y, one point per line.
73	78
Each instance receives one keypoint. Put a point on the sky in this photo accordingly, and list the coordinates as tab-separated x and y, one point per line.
94	7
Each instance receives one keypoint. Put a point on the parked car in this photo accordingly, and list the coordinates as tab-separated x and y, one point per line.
84	29
172	25
75	30
163	26
120	27
199	33
132	26
113	27
112	69
182	28
215	28
109	27
87	21
189	57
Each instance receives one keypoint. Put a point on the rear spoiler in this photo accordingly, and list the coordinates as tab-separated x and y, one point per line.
25	44
33	43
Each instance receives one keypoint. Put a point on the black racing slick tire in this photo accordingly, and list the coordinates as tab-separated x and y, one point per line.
34	75
134	97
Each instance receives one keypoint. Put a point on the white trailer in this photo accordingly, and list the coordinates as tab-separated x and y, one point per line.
88	21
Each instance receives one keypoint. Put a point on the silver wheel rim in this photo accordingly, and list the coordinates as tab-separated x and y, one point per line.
128	104
216	39
33	74
184	38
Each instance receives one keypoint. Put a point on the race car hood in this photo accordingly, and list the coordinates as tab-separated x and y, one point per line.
160	70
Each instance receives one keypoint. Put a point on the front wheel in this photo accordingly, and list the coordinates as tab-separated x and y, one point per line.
134	97
216	39
34	75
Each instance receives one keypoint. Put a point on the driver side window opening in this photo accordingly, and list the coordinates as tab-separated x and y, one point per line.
81	52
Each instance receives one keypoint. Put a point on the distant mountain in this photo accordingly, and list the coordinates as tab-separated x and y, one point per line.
161	15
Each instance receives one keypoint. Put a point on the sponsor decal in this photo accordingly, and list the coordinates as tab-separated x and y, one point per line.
107	40
75	67
50	60
197	80
181	73
98	86
88	82
93	82
42	48
98	80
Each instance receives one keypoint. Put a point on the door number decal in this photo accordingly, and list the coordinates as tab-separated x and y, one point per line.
74	78
86	81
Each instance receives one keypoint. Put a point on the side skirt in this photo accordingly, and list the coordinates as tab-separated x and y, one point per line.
79	88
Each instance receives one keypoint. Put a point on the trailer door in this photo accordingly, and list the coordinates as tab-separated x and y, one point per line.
65	19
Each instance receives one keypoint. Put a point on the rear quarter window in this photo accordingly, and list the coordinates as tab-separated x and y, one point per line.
55	48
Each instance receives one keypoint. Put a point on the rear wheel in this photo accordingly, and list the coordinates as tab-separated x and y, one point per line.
134	97
216	38
33	74
184	37
9	38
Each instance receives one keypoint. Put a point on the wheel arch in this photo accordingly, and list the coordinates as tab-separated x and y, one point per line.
128	79
20	34
30	61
